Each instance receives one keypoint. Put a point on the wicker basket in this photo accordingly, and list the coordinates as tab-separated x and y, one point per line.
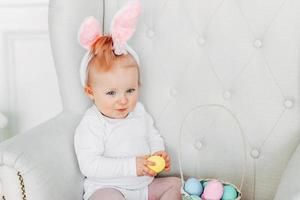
186	196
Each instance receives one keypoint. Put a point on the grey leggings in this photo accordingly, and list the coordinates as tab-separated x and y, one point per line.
160	189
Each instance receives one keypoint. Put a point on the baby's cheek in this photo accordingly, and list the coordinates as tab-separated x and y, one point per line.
133	102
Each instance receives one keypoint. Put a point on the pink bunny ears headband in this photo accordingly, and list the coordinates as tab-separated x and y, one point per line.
122	28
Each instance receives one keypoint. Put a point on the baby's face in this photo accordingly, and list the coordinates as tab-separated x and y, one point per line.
115	92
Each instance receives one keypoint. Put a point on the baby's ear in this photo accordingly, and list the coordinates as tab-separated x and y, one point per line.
89	92
89	32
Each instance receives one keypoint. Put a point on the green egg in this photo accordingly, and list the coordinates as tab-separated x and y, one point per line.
230	193
204	183
195	197
186	198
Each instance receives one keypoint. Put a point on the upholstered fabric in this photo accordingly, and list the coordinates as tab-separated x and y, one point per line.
46	160
221	75
289	187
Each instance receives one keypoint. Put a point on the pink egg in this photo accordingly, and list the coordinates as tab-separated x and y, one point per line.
213	190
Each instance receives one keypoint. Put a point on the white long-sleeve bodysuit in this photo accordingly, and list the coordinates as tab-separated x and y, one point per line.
107	148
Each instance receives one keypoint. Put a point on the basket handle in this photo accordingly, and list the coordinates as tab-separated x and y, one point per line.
241	130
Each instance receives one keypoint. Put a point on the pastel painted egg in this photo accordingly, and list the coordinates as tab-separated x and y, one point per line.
186	198
193	187
159	163
213	190
194	197
230	193
204	183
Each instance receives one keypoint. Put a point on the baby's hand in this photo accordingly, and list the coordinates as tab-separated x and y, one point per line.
166	156
141	166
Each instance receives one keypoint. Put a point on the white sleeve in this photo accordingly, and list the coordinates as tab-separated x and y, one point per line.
89	148
155	140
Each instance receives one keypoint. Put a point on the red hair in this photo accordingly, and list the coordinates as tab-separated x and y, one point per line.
104	59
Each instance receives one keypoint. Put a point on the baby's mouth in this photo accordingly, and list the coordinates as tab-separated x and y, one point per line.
121	109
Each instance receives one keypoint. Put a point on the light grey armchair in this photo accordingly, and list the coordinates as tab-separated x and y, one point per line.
242	55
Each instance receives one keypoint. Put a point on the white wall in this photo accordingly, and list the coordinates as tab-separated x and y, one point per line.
28	87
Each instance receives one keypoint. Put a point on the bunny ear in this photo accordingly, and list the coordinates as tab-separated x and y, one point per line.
123	25
89	32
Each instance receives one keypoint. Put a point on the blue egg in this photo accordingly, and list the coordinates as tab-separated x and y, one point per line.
230	193
193	187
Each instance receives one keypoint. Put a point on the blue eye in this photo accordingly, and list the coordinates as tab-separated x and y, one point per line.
130	90
111	93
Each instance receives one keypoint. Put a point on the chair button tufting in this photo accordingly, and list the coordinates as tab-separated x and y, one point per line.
201	41
150	33
198	144
255	153
288	103
257	43
173	92
227	95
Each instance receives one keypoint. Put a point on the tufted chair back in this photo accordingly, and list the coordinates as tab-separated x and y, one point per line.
221	79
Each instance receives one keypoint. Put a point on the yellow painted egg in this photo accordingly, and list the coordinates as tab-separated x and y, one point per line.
159	163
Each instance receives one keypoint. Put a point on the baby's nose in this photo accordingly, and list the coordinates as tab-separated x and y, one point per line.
123	99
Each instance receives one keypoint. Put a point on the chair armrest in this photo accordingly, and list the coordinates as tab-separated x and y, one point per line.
289	187
45	158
